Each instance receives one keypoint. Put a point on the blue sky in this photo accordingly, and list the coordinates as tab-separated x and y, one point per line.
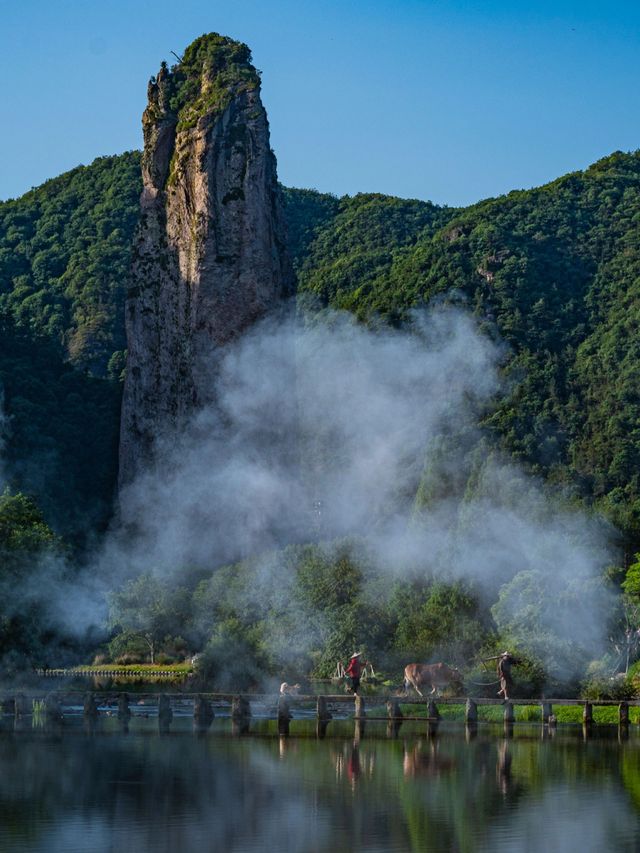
437	99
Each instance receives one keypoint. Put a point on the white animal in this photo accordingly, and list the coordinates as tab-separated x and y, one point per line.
289	689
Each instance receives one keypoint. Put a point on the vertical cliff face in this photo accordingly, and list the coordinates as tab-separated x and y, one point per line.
209	258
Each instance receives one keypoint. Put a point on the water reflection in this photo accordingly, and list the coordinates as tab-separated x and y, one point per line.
89	785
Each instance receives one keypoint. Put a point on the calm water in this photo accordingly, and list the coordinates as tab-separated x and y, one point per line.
71	789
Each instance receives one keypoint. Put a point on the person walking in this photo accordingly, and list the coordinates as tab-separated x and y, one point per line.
505	662
354	670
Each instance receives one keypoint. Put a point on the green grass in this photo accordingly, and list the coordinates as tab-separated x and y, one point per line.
525	713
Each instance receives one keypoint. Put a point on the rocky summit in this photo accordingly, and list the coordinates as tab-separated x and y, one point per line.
209	257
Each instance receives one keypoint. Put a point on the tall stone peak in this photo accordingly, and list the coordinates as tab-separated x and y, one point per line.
209	256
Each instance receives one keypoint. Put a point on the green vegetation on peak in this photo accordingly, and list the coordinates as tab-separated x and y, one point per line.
213	70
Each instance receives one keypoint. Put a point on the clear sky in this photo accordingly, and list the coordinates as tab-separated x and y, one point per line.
436	99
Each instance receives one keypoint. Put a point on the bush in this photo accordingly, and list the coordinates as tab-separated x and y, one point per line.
128	658
600	684
129	646
618	687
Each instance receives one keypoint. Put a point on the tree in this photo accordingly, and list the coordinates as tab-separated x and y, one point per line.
149	609
29	552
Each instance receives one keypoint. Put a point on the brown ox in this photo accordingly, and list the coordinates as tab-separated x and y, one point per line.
434	675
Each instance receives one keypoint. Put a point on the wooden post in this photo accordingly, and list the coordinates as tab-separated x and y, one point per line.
165	713
90	710
321	728
284	715
203	713
52	708
432	710
323	711
509	715
360	712
471	712
21	706
240	708
587	714
470	731
124	712
623	713
547	711
394	711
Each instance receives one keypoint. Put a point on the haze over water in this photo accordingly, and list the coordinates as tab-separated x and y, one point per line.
109	791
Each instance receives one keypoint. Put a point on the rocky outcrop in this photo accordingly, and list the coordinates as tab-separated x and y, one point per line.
209	258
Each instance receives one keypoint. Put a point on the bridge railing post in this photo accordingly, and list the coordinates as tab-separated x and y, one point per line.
623	714
471	712
322	711
284	715
394	711
90	706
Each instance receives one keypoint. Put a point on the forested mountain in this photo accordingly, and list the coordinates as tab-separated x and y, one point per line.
65	258
554	271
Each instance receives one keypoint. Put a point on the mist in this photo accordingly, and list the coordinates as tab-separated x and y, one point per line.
4	432
323	429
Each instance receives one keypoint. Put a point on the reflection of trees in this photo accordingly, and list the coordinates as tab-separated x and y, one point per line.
300	794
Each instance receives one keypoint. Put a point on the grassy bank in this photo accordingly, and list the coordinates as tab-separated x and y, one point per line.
526	713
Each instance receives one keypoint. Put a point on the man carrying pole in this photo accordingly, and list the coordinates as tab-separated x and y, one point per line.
505	661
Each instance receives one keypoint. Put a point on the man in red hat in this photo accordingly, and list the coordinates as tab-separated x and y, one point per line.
354	670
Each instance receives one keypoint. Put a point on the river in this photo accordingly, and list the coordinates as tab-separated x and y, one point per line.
99	789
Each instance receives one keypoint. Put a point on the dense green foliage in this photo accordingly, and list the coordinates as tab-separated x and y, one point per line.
27	544
299	610
144	612
60	436
65	255
555	272
356	249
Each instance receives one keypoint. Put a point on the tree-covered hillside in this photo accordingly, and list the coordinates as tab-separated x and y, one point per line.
556	272
65	255
553	271
59	437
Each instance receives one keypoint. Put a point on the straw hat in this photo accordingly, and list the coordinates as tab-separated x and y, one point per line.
356	655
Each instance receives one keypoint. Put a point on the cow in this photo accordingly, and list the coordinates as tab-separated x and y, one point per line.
434	675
